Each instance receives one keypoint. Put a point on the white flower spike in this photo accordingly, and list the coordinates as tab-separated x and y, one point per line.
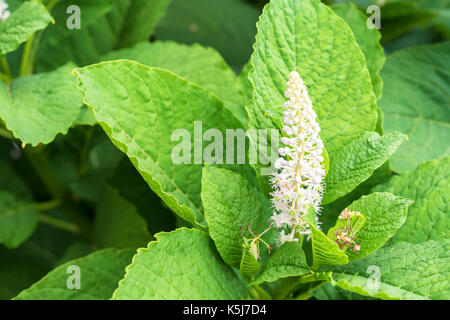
298	183
4	13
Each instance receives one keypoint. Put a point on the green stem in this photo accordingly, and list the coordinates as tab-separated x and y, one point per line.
48	205
259	293
57	189
287	285
284	288
82	168
33	51
25	68
7	77
63	225
254	293
263	295
307	294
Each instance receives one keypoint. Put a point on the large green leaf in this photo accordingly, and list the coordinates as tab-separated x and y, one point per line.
287	261
405	270
357	161
308	37
182	264
367	39
23	22
415	102
99	274
117	224
385	214
18	219
201	65
140	20
324	250
228	26
429	186
38	107
130	100
105	25
230	206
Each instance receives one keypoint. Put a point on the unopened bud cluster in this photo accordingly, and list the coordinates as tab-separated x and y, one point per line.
298	182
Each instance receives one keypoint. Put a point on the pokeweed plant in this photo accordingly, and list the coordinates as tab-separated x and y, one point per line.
328	219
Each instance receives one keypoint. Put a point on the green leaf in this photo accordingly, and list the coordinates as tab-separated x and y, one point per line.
385	214
117	224
404	270
140	20
23	22
200	65
287	261
105	25
246	85
324	250
133	188
356	223
400	17
84	118
27	264
230	206
11	182
18	215
357	161
228	26
367	39
99	274
187	258
331	211
429	186
99	164
249	265
164	101
76	250
38	107
328	292
18	219
415	102
295	35
80	46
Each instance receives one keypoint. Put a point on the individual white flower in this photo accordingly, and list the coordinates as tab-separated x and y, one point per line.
4	12
298	183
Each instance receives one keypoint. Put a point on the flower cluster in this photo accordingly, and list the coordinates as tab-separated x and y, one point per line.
298	182
344	237
4	13
348	214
